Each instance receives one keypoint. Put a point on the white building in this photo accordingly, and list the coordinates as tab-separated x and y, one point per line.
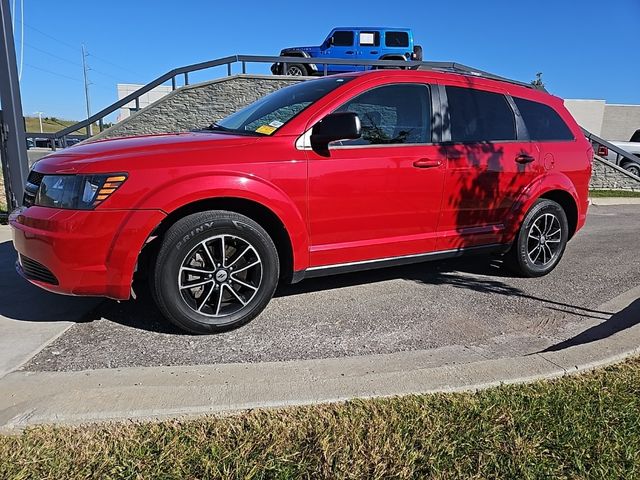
607	120
147	99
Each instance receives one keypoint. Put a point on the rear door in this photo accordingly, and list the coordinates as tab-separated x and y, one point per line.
368	46
378	196
489	164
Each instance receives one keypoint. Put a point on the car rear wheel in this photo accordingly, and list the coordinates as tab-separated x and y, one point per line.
632	167
215	271
541	240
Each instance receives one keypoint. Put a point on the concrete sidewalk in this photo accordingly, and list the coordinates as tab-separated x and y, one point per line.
29	398
30	318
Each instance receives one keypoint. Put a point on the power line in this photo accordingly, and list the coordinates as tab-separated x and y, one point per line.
51	37
53	55
99	85
53	73
75	48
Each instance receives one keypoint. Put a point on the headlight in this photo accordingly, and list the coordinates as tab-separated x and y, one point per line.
77	192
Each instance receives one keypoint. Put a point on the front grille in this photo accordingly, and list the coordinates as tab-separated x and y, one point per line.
36	271
31	188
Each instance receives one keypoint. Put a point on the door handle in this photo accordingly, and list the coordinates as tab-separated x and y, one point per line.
349	52
524	158
427	163
374	52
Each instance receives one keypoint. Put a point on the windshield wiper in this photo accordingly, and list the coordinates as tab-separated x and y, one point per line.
216	127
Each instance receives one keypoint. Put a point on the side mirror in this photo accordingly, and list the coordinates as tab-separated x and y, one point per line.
333	127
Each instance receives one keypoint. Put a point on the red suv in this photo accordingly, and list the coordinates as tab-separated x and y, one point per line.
331	175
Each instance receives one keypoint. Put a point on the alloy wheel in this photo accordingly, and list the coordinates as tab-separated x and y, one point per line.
220	276
544	242
295	71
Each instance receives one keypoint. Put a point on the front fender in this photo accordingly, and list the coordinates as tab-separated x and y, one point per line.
179	193
535	190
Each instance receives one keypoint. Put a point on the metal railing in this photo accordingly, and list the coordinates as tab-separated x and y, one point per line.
243	60
620	153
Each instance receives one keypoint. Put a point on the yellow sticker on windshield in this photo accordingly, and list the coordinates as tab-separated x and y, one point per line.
266	129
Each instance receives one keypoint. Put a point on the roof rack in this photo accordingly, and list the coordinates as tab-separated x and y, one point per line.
453	67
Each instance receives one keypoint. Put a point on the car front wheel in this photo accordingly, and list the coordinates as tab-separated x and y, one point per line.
296	70
215	271
541	240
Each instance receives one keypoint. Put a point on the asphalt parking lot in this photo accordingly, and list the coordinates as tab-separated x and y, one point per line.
468	304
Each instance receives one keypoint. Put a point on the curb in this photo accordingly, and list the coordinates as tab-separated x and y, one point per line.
30	398
606	201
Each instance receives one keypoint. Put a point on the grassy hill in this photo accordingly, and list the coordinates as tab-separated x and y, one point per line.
53	124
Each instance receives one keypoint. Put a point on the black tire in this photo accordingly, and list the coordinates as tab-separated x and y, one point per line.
541	240
632	167
296	70
204	310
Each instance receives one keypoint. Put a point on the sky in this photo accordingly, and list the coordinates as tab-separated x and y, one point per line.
585	49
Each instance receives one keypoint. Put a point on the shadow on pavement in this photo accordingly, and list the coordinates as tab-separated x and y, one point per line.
622	320
19	300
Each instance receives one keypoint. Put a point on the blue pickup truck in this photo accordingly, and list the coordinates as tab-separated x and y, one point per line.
352	43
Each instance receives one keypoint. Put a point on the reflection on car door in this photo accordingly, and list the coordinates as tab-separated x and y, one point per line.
378	196
487	167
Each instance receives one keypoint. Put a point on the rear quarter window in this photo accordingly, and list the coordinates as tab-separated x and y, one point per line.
543	122
396	39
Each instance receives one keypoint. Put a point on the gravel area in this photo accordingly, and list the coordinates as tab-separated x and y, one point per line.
468	302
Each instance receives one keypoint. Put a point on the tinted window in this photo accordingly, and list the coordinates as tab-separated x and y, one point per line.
369	39
342	39
478	116
542	121
396	39
392	114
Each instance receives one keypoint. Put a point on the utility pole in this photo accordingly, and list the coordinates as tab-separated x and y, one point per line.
85	69
15	162
39	118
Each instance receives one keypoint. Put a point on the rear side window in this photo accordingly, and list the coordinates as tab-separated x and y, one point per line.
478	116
392	114
342	38
396	39
542	121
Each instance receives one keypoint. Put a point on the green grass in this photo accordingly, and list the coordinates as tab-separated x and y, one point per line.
577	427
52	125
613	193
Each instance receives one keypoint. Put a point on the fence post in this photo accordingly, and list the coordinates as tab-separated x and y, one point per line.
15	162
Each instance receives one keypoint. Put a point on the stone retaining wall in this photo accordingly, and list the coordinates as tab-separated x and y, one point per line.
197	106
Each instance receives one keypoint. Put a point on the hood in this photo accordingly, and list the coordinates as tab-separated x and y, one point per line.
119	152
309	50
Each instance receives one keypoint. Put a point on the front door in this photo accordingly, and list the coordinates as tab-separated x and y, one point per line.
378	196
341	44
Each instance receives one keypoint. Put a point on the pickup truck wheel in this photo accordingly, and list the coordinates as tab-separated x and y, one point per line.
541	240
632	167
296	70
215	271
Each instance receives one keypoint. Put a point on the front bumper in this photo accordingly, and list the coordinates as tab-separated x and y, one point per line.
85	252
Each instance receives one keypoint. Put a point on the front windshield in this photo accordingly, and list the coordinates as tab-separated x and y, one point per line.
271	112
